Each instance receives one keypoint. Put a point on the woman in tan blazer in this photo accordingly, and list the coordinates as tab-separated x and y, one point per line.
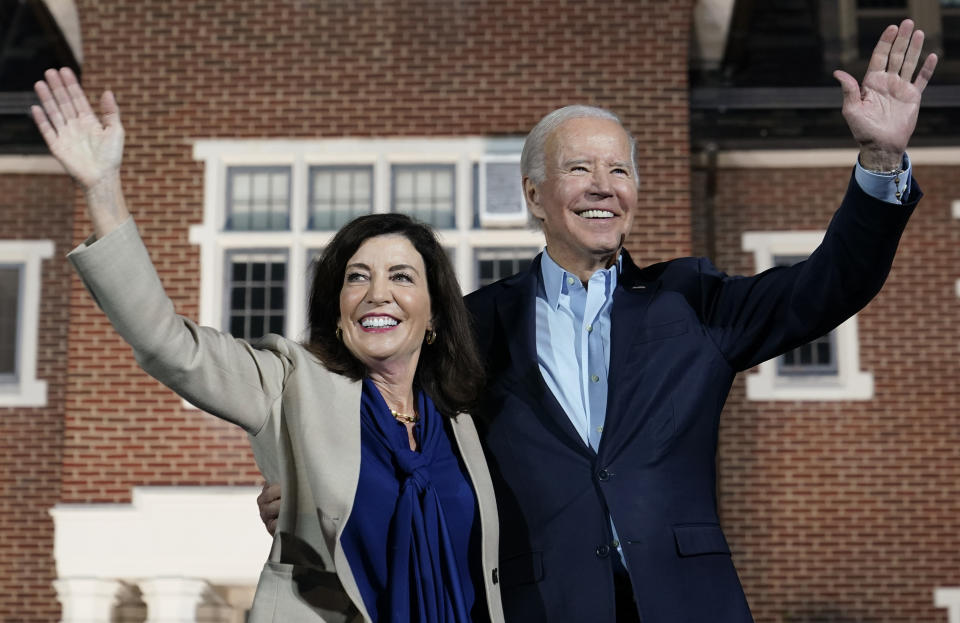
408	532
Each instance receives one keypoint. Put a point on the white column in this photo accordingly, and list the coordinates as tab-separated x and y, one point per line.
172	600
87	600
948	598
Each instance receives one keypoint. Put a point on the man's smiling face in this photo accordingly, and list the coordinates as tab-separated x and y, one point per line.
587	199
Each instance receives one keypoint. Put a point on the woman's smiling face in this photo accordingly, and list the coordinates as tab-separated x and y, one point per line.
385	302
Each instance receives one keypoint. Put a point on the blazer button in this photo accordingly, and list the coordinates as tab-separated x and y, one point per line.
603	551
603	475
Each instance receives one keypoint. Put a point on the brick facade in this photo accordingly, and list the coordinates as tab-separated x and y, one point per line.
35	207
850	511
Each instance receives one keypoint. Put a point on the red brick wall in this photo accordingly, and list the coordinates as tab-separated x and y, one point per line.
184	70
35	207
850	511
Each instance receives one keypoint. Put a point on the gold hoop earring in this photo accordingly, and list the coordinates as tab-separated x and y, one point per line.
339	334
431	336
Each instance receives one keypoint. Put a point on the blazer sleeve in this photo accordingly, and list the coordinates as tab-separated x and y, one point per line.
752	319
214	371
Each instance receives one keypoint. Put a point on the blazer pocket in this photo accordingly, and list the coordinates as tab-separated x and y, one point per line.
661	331
700	539
522	569
292	593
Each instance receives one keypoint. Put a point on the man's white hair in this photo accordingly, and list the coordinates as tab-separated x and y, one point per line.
533	158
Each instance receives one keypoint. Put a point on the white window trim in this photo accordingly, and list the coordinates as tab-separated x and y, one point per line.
299	155
28	390
955	209
850	382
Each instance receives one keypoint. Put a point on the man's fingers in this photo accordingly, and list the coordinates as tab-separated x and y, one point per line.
926	72
849	86
912	56
899	48
881	53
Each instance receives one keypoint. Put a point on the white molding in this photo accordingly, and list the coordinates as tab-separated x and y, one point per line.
955	208
822	158
27	390
948	598
40	165
219	154
87	600
850	382
209	533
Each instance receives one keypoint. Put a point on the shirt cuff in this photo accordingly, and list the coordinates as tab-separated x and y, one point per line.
890	187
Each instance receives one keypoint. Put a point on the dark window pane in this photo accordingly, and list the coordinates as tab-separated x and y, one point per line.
9	312
257	298
238	299
276	298
236	326
276	324
239	271
278	271
259	271
256	326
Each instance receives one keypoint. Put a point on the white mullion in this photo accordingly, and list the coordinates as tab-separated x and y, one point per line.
382	172
295	305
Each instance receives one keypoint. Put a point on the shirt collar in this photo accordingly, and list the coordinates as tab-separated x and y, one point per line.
554	278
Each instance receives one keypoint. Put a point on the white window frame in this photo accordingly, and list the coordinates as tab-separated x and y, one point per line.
299	155
850	382
26	390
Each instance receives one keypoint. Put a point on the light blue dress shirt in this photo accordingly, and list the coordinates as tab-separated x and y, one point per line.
576	370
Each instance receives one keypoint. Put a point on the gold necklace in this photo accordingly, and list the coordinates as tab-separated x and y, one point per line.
403	417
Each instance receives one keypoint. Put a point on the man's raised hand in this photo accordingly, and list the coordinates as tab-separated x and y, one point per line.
882	112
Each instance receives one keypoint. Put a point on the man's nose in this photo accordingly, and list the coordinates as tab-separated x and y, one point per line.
601	187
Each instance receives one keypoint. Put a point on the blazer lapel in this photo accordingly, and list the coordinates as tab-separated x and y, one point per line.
517	313
631	300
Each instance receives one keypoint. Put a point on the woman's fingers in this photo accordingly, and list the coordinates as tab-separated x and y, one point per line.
50	106
60	94
75	91
46	130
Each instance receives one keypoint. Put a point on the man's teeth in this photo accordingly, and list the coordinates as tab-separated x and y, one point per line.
376	322
596	214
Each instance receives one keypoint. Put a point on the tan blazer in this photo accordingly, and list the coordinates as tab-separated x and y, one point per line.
303	422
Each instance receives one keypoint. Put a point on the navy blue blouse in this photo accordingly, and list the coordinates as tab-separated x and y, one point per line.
412	539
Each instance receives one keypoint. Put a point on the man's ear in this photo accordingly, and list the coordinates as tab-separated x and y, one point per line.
531	193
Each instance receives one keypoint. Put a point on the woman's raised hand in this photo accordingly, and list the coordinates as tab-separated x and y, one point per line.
90	149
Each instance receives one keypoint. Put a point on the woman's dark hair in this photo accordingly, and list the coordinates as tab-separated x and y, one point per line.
449	370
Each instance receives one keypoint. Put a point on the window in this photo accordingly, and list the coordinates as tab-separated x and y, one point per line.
257	294
825	369
495	264
339	194
425	192
270	206
259	198
19	320
853	27
872	17
816	357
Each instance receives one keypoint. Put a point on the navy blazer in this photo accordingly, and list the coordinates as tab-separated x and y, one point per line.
680	332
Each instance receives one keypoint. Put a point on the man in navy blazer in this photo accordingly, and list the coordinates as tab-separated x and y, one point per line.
606	380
